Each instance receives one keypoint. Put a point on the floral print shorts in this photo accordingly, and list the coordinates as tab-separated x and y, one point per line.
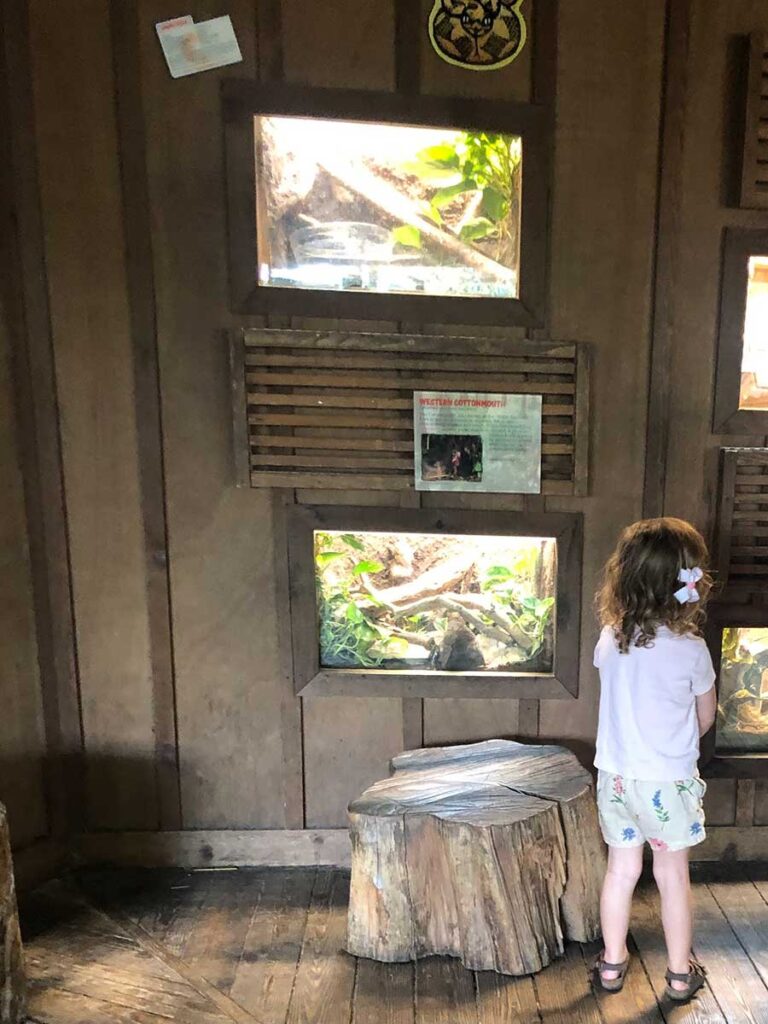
668	815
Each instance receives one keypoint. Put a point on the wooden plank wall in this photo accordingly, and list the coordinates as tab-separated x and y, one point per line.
22	742
701	175
23	788
706	196
195	726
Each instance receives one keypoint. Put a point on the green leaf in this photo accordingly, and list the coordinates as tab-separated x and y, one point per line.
353	613
443	155
366	566
433	174
494	204
478	227
351	539
499	573
431	213
323	557
407	235
443	196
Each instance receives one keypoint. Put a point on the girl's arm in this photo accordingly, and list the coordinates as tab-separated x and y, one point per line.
706	709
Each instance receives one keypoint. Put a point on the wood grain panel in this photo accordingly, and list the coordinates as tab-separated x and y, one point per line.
22	741
703	212
720	802
238	722
348	743
141	295
349	45
25	298
81	204
754	171
467	721
761	803
602	243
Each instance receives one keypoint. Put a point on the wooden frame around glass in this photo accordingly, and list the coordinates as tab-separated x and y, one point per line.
728	418
310	678
243	100
730	765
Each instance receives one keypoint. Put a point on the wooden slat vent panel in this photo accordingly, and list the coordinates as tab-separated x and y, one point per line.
743	524
754	182
336	410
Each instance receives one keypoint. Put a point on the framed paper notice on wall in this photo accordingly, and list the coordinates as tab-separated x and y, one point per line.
470	441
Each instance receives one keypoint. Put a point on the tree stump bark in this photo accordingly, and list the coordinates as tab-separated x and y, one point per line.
12	984
489	852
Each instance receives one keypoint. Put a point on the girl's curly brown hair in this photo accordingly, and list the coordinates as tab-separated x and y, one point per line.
637	594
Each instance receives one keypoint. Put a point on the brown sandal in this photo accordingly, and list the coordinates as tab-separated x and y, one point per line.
694	980
610	984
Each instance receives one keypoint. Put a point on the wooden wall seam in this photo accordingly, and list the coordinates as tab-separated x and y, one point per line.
408	30
269	42
45	495
139	258
672	116
292	710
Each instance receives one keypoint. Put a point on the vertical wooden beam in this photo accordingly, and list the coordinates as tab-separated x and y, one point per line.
269	41
408	36
413	723
27	296
544	61
149	428
292	707
746	790
241	451
528	719
672	122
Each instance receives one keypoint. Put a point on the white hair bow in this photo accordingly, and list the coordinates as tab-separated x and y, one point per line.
690	577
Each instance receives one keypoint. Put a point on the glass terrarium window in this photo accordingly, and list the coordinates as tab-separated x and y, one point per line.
445	603
754	362
385	208
742	714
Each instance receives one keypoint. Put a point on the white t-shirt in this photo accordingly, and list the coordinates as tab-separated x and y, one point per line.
648	728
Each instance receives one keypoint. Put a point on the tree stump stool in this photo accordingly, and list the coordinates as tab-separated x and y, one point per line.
12	985
489	852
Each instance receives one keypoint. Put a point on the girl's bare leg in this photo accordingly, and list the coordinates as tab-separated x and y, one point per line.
624	867
670	869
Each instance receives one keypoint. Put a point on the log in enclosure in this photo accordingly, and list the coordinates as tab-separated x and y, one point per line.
489	852
12	985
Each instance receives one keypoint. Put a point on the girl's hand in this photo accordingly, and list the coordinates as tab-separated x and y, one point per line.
706	709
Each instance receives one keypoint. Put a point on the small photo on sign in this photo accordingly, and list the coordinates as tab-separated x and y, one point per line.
452	457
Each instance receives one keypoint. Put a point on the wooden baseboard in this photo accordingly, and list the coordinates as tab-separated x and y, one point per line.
221	848
35	864
729	843
283	848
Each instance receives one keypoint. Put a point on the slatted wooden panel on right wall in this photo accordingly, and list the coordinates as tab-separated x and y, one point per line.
742	558
754	176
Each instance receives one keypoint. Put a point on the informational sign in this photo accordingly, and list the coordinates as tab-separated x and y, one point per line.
471	441
190	48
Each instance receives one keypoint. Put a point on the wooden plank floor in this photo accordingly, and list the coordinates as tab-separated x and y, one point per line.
265	946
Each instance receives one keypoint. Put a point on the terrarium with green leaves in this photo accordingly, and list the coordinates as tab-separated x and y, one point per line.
452	603
742	713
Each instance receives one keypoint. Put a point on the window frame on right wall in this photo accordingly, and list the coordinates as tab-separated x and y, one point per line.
721	616
728	418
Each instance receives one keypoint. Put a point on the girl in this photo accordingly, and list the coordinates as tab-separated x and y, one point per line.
657	698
